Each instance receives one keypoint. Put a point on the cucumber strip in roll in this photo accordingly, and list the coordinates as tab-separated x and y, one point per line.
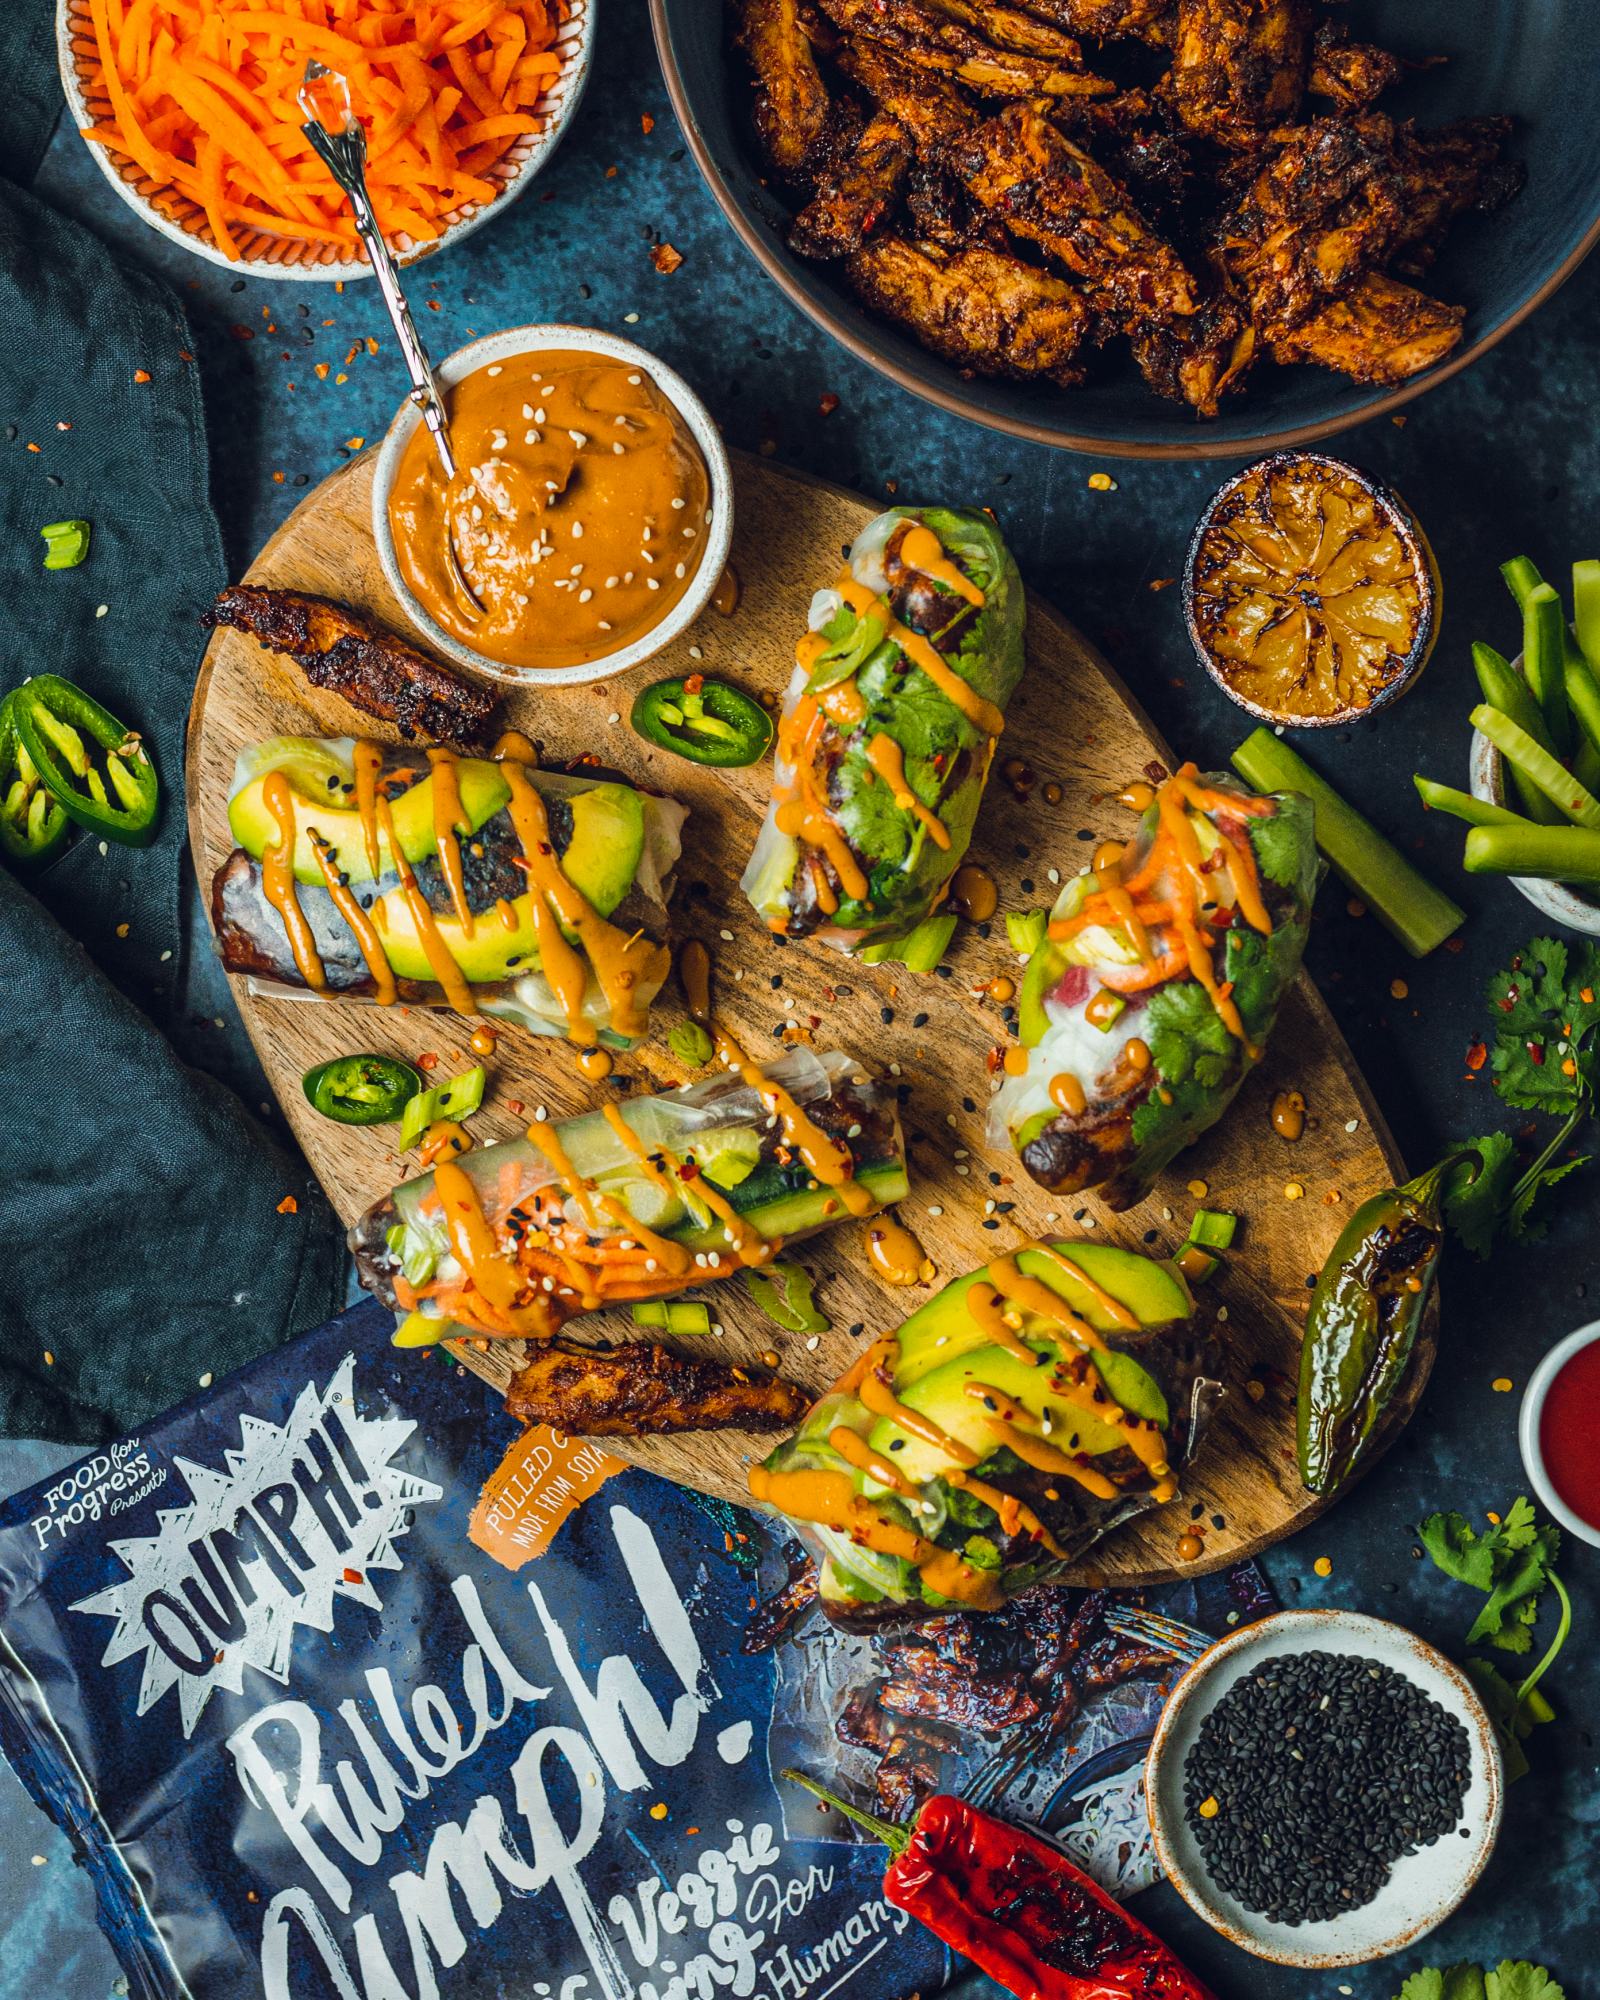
640	1200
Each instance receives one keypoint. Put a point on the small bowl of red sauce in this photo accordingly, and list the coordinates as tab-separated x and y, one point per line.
1559	1432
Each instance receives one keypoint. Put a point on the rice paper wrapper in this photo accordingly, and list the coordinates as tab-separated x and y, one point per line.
343	1691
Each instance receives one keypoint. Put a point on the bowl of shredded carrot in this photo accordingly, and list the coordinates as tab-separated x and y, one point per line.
190	108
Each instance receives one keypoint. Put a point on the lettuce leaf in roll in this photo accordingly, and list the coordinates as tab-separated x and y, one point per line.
481	883
1157	984
1020	1415
640	1200
888	729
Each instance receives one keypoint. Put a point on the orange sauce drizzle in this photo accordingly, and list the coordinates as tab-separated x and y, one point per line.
1068	1094
449	823
473	1243
879	1398
826	1158
1174	856
361	925
818	1494
854	1450
921	549
895	1254
445	1139
886	758
596	1064
1044	1457
277	881
988	1308
441	959
512	743
749	1245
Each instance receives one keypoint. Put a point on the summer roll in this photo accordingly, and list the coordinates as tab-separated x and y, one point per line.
1157	984
375	871
1021	1414
639	1200
888	729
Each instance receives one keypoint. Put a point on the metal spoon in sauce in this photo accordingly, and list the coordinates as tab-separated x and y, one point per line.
344	153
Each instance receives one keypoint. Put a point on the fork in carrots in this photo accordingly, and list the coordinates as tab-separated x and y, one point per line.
201	96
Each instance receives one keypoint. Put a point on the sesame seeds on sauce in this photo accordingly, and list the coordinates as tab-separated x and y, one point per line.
553	450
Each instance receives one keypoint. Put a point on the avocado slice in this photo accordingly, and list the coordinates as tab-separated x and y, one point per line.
332	814
1044	970
484	957
602	856
942	1330
941	1394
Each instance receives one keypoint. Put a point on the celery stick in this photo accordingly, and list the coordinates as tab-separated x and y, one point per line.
1504	689
1586	606
919	950
1522	578
1558	853
1553	779
1462	805
1419	915
1583	698
1213	1228
1544	661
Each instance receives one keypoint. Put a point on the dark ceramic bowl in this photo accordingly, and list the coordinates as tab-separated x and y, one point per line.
1537	60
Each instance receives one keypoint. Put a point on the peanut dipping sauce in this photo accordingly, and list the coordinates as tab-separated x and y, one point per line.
578	511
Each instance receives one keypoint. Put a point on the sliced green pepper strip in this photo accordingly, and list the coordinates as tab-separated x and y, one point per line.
673	1315
32	825
52	719
361	1090
704	721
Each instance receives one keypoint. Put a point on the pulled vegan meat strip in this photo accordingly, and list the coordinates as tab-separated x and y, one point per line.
642	1389
791	98
992	314
373	669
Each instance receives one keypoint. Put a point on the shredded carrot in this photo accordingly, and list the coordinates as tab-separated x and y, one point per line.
201	97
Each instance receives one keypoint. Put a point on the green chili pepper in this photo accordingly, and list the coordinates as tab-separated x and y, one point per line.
52	718
361	1090
707	722
66	543
1365	1312
32	824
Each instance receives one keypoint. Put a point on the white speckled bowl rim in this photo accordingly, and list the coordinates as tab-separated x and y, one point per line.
1422	1889
294	258
1487	781
502	347
1528	1431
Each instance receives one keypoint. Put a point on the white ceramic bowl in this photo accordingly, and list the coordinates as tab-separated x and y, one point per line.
1528	1432
506	346
1487	781
183	221
1422	1889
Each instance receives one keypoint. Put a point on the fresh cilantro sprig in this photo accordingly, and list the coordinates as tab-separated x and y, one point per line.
1545	1057
1511	1979
1512	1564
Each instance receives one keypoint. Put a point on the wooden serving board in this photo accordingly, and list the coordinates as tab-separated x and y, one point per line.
1074	722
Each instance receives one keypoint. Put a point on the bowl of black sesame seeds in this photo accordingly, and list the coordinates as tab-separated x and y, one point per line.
1323	1788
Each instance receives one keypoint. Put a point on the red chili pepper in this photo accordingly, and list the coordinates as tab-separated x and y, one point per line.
1017	1907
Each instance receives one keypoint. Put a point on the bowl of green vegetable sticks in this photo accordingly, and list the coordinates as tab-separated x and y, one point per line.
1533	812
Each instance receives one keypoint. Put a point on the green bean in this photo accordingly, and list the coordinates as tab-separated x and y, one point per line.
1544	660
1504	689
1522	579
1557	853
1586	607
1462	805
1552	778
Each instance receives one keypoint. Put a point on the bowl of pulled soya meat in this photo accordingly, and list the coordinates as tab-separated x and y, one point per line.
1150	228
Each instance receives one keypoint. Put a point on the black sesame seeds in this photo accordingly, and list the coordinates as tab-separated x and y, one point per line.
1313	1775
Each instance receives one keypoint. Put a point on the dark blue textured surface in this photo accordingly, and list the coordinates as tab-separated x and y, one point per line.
1506	458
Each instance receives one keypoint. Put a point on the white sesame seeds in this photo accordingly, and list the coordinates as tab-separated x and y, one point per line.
650	583
726	936
677	504
936	1208
695	653
813	1341
617	448
605	624
1353	1125
530	437
634	380
541	1113
539	415
585	594
680	571
614	718
577	531
495	370
576	570
611	583
578	438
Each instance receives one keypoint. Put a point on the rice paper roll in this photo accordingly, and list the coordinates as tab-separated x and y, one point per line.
888	729
423	876
1157	985
1022	1414
640	1200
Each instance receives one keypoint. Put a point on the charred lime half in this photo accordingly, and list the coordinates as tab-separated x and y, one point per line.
1310	591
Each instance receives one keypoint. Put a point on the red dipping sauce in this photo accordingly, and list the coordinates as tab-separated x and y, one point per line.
1569	1433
